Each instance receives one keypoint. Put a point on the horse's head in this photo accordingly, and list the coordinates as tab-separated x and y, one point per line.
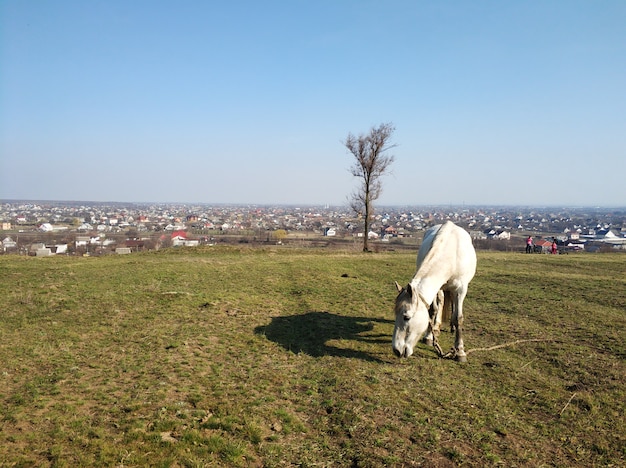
411	320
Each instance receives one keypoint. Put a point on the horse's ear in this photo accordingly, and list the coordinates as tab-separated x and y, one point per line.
398	287
409	290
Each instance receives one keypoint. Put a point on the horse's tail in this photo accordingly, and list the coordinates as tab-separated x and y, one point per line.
447	308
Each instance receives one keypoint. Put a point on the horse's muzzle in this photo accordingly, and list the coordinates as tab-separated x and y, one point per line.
404	353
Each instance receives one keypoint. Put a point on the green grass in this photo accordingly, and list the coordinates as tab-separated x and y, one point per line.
270	357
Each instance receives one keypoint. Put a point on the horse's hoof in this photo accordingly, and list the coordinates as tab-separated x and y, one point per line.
427	341
460	358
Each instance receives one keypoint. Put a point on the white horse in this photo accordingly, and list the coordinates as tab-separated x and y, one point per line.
446	262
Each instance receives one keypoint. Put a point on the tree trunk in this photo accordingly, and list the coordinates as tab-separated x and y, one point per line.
366	227
366	233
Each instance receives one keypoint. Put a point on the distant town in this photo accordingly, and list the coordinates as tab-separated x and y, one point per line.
47	228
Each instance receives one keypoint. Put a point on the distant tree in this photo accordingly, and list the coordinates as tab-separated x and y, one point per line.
371	163
280	235
164	241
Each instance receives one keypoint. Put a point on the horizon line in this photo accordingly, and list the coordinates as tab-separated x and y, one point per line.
334	205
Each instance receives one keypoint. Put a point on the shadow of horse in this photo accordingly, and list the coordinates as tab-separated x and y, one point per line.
310	333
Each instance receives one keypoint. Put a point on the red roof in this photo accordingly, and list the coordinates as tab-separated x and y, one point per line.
181	234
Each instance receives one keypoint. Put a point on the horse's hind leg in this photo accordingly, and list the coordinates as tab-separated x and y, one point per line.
457	322
447	308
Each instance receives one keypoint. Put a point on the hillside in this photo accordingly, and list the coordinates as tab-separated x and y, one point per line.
271	357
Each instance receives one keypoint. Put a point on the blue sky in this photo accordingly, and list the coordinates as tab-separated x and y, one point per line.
499	103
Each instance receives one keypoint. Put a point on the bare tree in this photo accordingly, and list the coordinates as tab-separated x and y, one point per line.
370	165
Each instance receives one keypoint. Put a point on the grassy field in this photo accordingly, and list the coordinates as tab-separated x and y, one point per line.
281	357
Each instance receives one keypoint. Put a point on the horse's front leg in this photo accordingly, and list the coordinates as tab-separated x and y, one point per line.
433	339
435	312
457	322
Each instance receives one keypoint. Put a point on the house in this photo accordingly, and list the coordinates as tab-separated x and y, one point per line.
390	231
611	237
503	235
606	234
5	226
478	235
58	249
179	238
543	246
575	245
35	247
44	252
8	244
82	241
498	234
135	245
